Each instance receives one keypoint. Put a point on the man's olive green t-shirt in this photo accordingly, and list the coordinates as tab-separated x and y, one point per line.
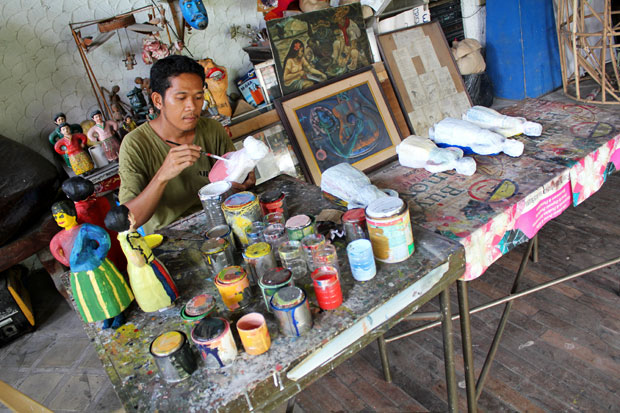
143	152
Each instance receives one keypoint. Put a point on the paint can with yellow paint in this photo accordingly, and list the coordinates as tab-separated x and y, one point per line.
240	210
389	227
173	356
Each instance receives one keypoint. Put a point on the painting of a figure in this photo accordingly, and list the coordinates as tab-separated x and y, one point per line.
309	48
347	120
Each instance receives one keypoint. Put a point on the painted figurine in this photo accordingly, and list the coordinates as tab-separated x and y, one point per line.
152	114
103	131
151	282
127	125
217	82
99	289
56	135
73	144
92	209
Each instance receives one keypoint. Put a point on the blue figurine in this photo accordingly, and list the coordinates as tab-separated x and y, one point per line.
195	14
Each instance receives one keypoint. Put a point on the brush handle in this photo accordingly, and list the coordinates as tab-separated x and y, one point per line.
202	152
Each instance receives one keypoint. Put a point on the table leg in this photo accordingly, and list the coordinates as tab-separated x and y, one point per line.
448	349
468	358
290	405
385	363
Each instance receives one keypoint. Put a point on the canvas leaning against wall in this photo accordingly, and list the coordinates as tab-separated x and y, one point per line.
309	48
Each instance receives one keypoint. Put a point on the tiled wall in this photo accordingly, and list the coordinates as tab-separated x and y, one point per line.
41	72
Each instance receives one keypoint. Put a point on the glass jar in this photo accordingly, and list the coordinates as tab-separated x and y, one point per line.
293	258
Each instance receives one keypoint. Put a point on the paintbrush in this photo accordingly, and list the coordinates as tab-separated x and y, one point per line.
202	152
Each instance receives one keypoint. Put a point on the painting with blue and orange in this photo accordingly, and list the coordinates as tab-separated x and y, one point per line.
344	127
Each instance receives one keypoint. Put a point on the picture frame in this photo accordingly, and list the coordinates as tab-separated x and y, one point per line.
427	81
309	48
268	80
347	119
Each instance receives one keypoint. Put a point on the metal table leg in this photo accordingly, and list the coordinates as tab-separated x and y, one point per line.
385	363
448	349
468	358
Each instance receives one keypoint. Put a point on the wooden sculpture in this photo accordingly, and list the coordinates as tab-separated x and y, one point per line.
217	82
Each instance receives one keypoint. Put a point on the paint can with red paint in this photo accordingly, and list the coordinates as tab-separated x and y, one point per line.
213	338
327	287
173	356
273	201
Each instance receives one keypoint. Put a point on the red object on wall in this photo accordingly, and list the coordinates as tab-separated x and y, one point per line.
277	12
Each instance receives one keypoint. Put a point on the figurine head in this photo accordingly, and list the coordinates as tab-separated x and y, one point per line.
128	119
151	110
65	129
116	89
97	116
78	188
65	214
119	219
60	118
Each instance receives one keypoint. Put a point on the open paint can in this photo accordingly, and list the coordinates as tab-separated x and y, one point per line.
240	210
253	332
234	287
291	309
259	258
214	340
299	226
327	287
198	307
173	356
389	228
273	201
273	280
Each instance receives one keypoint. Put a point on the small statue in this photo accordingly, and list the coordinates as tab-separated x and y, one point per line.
99	289
104	131
217	82
92	209
151	282
59	119
72	144
152	114
138	103
127	126
145	85
419	152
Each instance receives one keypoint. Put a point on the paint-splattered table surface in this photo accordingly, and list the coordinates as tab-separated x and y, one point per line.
509	199
263	382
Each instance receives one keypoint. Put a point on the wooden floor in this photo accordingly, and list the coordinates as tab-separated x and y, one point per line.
560	351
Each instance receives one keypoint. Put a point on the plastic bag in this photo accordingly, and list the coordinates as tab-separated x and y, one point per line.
350	185
480	88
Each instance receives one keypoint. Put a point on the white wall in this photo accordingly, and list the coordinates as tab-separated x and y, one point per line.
41	72
474	20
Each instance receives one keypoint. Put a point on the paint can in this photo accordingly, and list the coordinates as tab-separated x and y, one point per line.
217	254
325	255
173	356
275	235
311	243
260	259
299	226
211	197
97	153
274	280
198	307
254	232
294	258
274	218
240	210
234	287
222	231
389	228
254	334
273	201
361	260
354	223
213	338
327	287
291	309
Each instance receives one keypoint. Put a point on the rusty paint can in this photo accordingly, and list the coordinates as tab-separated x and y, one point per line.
240	210
273	280
234	287
260	259
273	201
299	226
217	254
254	334
291	309
213	338
389	228
173	356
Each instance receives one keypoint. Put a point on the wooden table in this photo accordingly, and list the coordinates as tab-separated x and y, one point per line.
263	382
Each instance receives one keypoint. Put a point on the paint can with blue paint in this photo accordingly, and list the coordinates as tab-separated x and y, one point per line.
291	309
213	338
361	260
173	356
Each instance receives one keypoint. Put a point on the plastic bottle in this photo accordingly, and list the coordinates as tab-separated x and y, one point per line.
505	125
419	152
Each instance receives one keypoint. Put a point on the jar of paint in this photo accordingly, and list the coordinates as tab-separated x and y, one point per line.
291	309
274	280
211	197
198	307
213	338
309	244
254	232
274	218
325	255
240	210
275	235
361	260
217	254
354	223
222	231
173	356
234	287
254	334
389	228
299	226
293	258
273	201
259	259
327	287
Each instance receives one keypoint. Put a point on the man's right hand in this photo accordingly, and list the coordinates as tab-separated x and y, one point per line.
178	158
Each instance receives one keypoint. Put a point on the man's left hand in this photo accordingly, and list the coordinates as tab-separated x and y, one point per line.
249	182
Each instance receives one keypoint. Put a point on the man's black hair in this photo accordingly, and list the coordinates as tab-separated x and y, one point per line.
165	69
78	188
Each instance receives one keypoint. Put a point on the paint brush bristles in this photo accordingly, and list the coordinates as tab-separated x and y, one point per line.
202	152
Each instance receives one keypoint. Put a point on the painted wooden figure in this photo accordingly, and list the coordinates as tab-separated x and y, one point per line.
73	144
92	209
151	282
104	132
99	289
56	135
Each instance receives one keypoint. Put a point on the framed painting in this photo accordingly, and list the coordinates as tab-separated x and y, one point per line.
309	48
344	120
